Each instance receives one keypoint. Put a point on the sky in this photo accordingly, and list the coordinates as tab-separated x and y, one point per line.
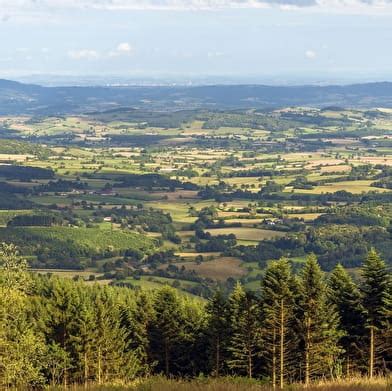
268	41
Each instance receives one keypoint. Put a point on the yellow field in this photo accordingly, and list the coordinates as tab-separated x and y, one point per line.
355	187
218	269
243	233
16	158
67	273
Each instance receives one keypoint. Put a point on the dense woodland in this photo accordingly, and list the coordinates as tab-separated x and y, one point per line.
300	327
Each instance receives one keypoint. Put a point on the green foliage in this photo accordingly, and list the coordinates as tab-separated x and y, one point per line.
25	173
278	296
66	246
332	243
21	346
218	332
61	332
244	343
318	323
375	289
344	294
8	215
16	147
377	302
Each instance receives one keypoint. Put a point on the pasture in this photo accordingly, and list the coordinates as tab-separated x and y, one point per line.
266	179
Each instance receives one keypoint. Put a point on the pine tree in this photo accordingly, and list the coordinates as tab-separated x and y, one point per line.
346	297
388	326
278	318
83	334
61	303
192	355
217	331
113	359
244	343
377	304
166	329
136	316
318	323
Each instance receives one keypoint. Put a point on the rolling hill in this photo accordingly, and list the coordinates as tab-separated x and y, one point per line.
18	98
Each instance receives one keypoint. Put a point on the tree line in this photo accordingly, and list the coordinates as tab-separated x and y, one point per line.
300	327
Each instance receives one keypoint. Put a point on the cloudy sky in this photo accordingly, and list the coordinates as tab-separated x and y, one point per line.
276	40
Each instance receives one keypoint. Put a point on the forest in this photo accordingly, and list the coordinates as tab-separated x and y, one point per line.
201	249
299	328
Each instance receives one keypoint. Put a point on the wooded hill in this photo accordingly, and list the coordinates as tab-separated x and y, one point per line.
299	328
18	98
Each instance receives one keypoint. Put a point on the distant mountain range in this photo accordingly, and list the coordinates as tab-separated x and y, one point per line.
19	98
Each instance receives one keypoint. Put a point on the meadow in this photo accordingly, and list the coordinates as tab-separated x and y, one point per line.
239	384
265	180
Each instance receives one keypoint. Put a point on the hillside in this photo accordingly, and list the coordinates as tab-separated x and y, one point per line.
18	98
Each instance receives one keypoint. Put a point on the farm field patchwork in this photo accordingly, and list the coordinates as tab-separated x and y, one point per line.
210	200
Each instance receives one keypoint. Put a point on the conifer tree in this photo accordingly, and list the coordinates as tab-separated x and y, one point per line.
83	336
113	359
166	329
377	304
278	318
192	355
61	307
136	316
318	324
217	331
344	294
245	336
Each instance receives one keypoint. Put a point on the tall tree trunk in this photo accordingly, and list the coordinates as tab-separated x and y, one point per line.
371	356
250	362
281	377
99	366
217	357
85	370
307	353
274	359
65	378
166	358
64	335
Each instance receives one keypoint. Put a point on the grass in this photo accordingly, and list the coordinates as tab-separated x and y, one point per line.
219	269
100	165
242	233
67	273
7	215
237	384
355	187
90	239
154	282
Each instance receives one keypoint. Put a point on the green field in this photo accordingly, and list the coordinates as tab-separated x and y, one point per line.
267	176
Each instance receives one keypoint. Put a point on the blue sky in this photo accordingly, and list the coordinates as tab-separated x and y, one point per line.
276	40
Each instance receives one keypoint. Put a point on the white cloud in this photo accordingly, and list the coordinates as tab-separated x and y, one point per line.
51	11
19	6
83	54
124	47
310	54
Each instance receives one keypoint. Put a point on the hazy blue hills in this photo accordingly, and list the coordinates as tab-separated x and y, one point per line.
18	98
